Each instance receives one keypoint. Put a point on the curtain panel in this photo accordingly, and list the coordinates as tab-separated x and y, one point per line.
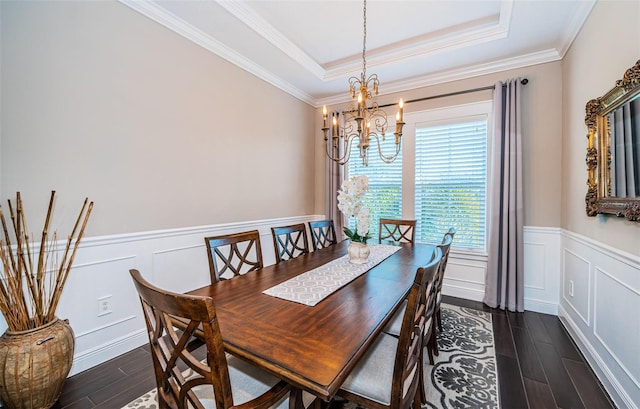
335	177
505	275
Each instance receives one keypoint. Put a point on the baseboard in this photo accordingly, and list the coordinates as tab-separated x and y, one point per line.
610	383
541	306
107	351
462	292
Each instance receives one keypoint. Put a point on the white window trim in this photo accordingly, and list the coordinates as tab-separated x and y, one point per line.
437	116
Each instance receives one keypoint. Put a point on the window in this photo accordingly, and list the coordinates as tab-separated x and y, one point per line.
451	181
384	198
445	156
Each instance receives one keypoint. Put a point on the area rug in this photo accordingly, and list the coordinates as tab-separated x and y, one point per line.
463	375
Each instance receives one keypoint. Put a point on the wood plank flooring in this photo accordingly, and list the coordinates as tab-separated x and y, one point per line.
539	366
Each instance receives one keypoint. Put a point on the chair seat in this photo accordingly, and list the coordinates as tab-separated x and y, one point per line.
374	372
247	383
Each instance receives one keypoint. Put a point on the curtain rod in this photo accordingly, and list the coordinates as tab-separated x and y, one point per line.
524	81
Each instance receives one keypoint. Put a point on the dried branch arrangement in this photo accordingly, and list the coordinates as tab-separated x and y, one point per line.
30	287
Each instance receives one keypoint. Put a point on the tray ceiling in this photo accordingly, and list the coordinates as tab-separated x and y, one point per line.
310	48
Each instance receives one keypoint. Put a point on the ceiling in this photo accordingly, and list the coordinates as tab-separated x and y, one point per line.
310	48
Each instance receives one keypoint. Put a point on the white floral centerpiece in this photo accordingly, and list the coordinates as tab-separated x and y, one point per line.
350	202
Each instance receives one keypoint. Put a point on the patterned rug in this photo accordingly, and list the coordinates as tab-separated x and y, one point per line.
463	375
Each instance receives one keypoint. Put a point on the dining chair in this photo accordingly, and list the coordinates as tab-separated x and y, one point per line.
445	246
231	255
402	231
390	373
451	232
323	234
434	294
290	241
220	381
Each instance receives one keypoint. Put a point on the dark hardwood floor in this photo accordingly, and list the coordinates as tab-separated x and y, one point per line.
539	366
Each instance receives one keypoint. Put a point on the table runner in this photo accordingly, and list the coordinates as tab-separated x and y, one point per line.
313	286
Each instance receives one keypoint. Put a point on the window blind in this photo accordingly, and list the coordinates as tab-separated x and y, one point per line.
451	182
384	198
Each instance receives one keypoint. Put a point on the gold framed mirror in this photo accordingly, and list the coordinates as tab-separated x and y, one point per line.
613	149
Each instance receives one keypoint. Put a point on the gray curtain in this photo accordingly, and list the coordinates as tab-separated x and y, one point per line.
505	276
335	176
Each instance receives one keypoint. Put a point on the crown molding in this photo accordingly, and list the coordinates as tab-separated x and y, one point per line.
526	60
573	27
179	26
482	32
251	19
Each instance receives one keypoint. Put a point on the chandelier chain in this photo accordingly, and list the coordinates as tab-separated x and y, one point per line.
364	41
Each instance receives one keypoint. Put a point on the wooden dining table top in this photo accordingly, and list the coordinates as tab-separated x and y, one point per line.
312	347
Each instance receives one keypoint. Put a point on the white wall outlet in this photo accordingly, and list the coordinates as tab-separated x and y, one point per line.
104	305
571	288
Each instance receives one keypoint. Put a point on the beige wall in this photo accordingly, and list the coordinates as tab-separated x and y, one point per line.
541	127
99	101
607	45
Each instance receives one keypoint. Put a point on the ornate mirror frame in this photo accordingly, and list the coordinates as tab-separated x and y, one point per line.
598	198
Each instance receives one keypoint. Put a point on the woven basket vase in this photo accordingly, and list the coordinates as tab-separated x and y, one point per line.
34	365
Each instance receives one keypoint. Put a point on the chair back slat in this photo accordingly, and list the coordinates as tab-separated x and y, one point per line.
290	241
323	234
402	231
232	255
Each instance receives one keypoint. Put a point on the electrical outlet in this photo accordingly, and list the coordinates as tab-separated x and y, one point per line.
104	305
571	288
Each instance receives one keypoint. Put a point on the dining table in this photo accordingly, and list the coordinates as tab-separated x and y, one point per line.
313	348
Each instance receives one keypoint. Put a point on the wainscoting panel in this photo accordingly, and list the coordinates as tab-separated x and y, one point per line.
576	284
100	300
465	278
534	253
170	268
612	325
603	315
541	269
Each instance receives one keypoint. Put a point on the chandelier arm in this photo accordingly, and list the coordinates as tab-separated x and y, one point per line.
385	158
341	160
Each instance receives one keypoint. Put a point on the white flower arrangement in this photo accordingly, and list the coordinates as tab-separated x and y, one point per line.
350	199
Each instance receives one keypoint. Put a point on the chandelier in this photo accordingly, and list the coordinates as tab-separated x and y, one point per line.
362	121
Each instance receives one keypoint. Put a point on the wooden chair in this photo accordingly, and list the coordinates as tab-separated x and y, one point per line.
434	295
290	241
390	373
231	255
323	234
402	231
221	381
445	247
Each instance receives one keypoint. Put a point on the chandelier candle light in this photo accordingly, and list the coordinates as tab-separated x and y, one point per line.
361	121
